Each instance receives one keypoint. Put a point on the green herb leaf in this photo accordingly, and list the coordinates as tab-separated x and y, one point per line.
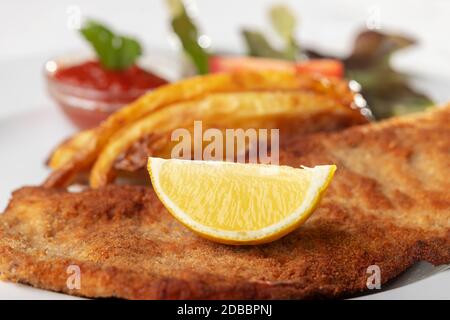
375	48
386	90
188	34
258	46
284	23
115	52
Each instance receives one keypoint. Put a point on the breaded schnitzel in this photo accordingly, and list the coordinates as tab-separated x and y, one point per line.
389	205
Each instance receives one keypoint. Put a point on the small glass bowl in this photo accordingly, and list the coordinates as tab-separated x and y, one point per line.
85	107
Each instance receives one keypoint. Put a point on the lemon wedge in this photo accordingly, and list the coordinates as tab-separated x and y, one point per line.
237	203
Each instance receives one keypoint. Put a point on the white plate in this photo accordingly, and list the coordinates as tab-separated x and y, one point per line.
29	133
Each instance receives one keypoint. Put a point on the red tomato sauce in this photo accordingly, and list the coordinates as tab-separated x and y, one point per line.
92	75
88	93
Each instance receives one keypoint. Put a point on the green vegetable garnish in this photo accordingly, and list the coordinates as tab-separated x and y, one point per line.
284	23
188	34
258	46
115	52
386	90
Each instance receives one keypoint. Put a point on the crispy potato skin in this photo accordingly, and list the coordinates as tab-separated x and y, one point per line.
293	113
77	154
387	205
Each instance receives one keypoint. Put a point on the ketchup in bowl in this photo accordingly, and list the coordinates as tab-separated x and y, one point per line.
88	93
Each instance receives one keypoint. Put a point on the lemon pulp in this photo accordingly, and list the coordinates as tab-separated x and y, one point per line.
238	203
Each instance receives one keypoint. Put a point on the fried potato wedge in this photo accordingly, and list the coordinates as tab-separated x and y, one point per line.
74	156
300	112
69	148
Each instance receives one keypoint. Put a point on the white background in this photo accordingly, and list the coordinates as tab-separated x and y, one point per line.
33	31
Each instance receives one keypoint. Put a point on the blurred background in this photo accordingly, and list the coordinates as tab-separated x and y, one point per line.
31	27
33	31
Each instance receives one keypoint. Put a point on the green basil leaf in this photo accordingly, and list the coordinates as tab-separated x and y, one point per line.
128	52
115	52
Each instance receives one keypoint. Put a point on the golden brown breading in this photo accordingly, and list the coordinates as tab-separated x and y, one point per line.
388	205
